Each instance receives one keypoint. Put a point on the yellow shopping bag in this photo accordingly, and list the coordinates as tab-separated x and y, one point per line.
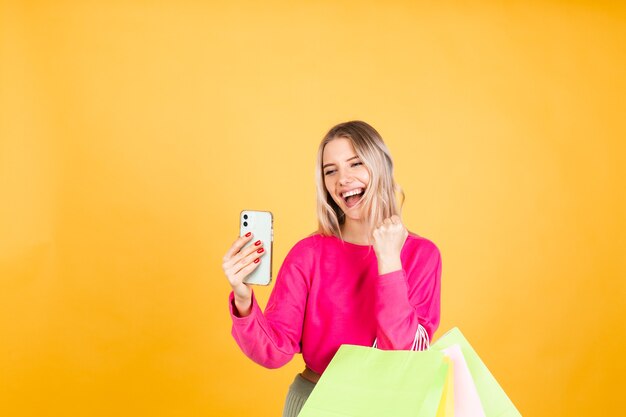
446	404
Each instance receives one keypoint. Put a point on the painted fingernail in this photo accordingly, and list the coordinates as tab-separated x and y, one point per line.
257	260
260	250
257	243
248	234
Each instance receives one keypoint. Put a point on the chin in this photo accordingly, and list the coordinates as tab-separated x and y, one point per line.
353	215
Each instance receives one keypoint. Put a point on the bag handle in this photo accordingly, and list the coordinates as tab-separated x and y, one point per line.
421	341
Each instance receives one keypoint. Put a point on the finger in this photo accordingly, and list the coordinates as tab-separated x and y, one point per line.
253	258
395	219
387	221
244	272
237	245
250	258
243	253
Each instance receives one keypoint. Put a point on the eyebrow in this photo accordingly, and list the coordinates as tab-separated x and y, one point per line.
347	160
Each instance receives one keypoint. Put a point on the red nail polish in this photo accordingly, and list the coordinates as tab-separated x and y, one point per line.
248	234
257	243
261	250
257	260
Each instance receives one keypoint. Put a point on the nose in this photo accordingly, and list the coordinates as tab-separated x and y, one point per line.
344	178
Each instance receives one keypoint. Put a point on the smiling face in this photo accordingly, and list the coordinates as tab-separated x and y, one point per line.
353	159
345	176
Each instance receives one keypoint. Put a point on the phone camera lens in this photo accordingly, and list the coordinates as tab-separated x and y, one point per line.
245	217
245	224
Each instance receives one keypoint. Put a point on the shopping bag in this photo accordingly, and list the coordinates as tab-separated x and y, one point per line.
363	381
466	400
494	400
446	403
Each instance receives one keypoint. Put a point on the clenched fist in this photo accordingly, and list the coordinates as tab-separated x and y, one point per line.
389	238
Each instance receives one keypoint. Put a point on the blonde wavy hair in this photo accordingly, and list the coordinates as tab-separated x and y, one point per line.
379	200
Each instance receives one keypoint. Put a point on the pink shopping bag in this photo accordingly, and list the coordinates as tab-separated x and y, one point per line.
466	399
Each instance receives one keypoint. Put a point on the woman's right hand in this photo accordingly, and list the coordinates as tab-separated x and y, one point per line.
237	265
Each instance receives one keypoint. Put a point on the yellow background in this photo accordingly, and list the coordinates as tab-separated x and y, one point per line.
133	133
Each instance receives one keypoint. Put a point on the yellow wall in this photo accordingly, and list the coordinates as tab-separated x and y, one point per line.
133	133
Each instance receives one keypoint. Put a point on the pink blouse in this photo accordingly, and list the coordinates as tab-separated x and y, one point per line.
328	292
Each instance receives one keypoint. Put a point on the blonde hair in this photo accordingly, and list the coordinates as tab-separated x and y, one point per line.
379	201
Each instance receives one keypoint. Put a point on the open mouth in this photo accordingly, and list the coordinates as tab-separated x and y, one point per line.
353	197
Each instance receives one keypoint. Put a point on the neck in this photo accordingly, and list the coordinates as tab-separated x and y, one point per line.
356	231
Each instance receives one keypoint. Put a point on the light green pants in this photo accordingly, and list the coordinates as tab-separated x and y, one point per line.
299	391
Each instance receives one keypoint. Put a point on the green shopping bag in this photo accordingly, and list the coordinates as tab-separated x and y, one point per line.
362	381
494	400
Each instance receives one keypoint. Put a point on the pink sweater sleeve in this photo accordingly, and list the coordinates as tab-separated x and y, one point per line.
272	338
408	298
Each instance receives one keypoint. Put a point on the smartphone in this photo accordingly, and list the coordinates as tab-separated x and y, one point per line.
261	224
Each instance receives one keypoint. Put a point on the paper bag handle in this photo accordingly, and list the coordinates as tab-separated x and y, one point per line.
421	341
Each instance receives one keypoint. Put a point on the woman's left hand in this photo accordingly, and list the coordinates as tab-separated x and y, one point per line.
389	238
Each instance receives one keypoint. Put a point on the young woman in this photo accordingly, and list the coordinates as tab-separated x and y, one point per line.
362	277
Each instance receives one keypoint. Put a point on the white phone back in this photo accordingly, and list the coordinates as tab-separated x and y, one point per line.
260	223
